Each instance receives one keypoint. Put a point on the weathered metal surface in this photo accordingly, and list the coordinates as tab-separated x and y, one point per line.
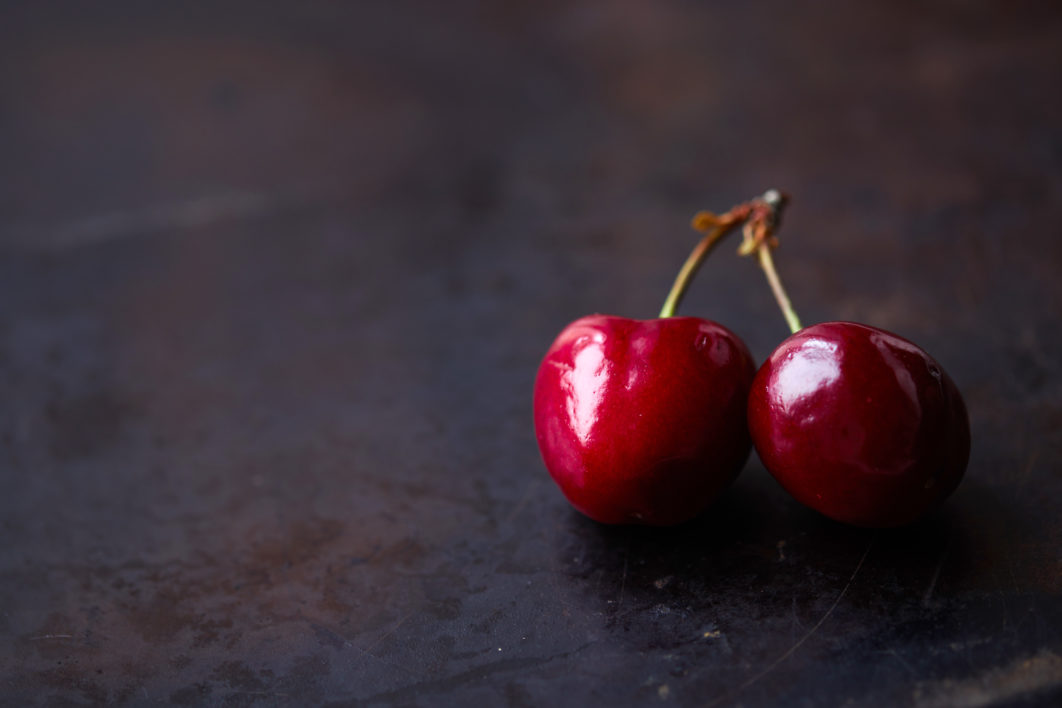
274	282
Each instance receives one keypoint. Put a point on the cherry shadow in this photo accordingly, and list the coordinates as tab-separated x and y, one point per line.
758	556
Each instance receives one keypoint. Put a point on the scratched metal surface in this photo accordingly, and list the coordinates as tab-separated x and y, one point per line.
274	282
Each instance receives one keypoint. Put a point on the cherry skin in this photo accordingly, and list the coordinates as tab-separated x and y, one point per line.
859	424
643	421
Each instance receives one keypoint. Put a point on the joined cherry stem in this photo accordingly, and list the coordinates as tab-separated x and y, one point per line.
759	219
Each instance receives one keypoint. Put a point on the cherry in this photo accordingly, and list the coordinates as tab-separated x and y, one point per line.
853	421
643	421
859	424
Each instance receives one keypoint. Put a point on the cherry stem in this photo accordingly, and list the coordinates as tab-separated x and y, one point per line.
759	218
767	263
759	239
720	226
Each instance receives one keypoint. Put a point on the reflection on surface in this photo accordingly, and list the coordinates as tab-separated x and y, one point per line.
586	383
808	371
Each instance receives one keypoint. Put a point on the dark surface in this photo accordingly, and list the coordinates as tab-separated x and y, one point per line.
274	283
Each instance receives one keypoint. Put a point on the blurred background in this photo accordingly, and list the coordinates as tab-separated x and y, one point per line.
275	279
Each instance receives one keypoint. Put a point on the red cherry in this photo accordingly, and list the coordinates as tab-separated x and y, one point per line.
859	424
643	421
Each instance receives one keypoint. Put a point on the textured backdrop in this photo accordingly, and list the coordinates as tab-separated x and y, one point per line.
275	280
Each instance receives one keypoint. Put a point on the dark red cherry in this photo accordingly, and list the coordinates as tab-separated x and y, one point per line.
859	424
643	421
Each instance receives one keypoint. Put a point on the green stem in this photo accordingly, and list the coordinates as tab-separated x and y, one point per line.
767	263
692	264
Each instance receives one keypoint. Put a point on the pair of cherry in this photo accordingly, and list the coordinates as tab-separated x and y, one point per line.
647	422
